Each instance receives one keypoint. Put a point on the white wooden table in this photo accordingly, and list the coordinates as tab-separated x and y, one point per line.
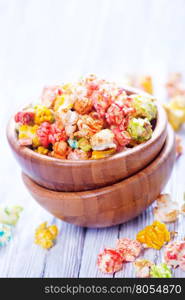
49	41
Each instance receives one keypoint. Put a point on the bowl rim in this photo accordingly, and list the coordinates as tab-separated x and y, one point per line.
161	125
146	171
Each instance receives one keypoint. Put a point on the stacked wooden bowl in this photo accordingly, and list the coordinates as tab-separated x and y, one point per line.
99	193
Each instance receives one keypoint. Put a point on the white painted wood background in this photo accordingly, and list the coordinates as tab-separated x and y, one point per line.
48	41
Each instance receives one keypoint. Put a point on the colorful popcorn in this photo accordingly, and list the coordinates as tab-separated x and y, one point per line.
129	249
25	117
28	136
139	129
5	234
50	134
176	116
78	154
166	210
154	236
83	106
43	114
84	144
42	150
102	154
174	254
143	267
110	261
60	148
102	140
144	106
49	94
90	115
45	235
73	143
160	271
10	215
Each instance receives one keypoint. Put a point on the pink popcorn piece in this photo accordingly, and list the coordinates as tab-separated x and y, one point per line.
175	254
24	117
110	261
129	249
122	137
50	134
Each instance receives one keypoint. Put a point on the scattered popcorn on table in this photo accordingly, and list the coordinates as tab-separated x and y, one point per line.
174	254
174	85
176	117
143	82
160	271
179	147
45	235
129	249
154	236
110	261
166	210
143	267
10	215
5	234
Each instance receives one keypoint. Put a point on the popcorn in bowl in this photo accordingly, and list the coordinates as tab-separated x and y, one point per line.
89	119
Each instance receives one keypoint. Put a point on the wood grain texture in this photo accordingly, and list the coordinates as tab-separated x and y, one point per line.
66	39
113	204
68	176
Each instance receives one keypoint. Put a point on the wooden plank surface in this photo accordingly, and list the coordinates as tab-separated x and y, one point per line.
45	41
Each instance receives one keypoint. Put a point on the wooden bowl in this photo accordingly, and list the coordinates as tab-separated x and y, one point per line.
113	204
65	175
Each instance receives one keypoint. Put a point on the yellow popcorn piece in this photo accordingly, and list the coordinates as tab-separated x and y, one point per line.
29	132
101	154
146	84
154	235
63	102
43	114
175	114
45	235
42	150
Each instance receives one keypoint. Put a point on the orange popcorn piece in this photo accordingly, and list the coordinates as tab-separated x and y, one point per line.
154	235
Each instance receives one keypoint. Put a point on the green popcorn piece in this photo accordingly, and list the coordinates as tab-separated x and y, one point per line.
10	215
160	271
140	129
145	106
84	144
